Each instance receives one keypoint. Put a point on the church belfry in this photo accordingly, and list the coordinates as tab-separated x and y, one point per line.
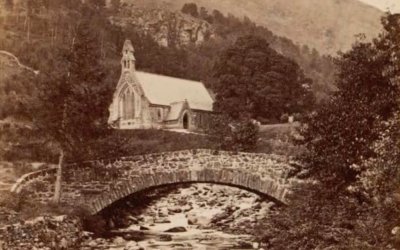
128	60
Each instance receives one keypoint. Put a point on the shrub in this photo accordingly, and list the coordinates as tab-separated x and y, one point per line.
228	134
284	118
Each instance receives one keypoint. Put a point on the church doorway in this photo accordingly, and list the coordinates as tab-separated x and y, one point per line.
185	121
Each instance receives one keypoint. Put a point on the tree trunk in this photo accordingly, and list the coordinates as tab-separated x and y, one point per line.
29	30
52	36
57	190
101	46
25	22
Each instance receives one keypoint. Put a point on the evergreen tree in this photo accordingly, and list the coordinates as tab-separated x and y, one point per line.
190	9
73	96
255	81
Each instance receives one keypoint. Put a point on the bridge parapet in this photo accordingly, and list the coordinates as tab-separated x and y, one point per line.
97	184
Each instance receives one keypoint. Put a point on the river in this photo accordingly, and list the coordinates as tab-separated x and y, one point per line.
197	216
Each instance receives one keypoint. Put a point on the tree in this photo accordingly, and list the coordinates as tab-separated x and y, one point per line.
218	16
73	97
339	136
353	159
253	80
233	135
190	9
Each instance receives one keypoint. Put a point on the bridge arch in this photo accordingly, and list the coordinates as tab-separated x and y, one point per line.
96	185
243	180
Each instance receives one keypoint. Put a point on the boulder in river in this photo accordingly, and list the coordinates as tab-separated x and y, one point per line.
165	237
162	220
245	245
187	208
176	230
175	210
119	241
192	220
133	236
131	245
143	228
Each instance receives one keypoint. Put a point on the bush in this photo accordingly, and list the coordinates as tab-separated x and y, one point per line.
228	134
284	118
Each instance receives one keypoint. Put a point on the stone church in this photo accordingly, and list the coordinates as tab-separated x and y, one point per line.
144	101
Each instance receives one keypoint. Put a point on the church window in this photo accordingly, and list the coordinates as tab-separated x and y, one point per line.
128	64
159	114
128	100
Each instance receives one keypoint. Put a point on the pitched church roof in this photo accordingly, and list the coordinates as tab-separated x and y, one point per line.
165	90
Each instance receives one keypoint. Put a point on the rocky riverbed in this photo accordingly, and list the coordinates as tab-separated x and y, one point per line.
198	216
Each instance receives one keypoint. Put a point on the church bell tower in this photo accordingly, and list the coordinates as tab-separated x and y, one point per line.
128	60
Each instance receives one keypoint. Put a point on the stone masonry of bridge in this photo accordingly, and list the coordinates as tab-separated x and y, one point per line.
97	184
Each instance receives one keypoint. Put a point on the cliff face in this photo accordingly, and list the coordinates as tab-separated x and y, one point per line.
327	25
166	27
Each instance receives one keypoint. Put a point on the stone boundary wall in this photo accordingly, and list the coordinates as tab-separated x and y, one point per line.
97	184
28	178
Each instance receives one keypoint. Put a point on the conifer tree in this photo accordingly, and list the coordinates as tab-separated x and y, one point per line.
74	97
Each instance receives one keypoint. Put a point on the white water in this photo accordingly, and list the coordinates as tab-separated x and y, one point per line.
200	203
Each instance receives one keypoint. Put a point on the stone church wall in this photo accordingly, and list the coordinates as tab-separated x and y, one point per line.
201	120
143	121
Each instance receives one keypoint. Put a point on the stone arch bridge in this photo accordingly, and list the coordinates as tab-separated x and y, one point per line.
96	185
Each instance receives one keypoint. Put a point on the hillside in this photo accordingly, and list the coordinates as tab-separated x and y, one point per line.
328	25
207	34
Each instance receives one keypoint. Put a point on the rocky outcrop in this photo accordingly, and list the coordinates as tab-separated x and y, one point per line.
300	21
166	27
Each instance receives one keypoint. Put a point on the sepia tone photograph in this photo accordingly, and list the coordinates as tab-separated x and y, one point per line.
199	124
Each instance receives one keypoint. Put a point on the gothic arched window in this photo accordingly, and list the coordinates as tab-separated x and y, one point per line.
128	103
